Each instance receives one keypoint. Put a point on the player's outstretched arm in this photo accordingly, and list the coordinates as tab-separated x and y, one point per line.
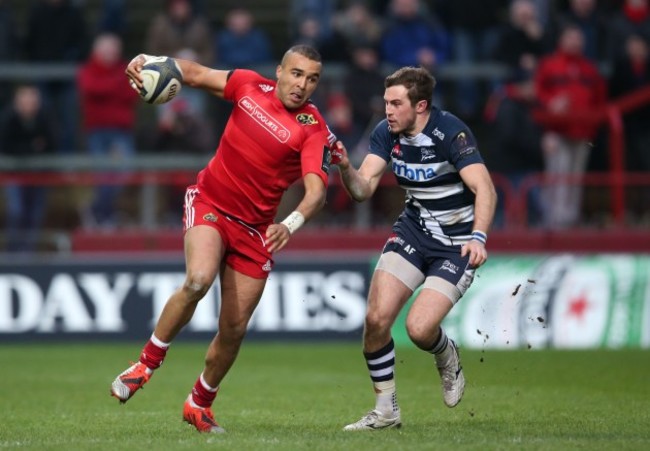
202	77
277	235
360	184
194	75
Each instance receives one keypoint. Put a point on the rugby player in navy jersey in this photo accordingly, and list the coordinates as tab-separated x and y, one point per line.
437	242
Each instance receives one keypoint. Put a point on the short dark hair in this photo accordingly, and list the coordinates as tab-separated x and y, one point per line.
417	80
306	51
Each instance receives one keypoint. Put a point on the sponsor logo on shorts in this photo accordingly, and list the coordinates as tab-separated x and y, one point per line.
267	266
395	239
210	217
449	266
306	119
263	118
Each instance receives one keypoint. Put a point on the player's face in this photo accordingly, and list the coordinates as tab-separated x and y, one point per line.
298	77
400	113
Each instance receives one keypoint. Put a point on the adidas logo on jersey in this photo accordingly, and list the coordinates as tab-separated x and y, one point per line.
266	88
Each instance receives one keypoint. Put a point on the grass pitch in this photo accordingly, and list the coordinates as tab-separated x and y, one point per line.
298	397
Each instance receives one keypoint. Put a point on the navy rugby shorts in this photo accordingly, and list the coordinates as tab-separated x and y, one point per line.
430	256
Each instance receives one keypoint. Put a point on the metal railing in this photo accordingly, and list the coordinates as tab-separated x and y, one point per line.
151	172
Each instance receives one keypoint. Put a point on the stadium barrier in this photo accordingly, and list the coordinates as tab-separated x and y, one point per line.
149	173
537	301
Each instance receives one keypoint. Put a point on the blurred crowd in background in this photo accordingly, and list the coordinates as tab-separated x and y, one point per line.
559	57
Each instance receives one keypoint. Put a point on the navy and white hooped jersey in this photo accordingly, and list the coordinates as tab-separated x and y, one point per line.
427	166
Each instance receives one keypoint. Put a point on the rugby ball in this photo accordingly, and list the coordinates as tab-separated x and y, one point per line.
161	80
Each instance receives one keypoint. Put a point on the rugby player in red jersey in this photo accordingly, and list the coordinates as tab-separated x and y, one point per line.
273	137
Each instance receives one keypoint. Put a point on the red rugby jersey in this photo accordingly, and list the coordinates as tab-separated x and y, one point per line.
264	149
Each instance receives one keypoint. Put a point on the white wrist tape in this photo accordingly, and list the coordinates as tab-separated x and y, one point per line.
294	221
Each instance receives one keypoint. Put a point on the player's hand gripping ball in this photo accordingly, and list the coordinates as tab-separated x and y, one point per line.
161	79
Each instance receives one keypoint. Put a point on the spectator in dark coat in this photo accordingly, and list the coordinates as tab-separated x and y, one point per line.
178	27
9	45
633	18
516	148
520	42
364	85
591	20
240	43
631	72
57	32
413	38
474	28
25	132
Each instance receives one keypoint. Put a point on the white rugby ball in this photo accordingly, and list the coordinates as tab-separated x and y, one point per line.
161	80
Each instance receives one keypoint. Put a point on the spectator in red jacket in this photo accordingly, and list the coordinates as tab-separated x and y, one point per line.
568	85
108	105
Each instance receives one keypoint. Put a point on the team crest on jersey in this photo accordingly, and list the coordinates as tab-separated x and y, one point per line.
306	119
266	88
396	151
462	139
428	153
210	217
465	148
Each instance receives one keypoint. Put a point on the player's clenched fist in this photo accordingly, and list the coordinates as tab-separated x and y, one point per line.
339	155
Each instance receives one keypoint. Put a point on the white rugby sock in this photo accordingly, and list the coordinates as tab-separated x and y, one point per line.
381	365
441	349
386	397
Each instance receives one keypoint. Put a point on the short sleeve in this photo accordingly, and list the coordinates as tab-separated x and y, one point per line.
238	79
315	156
463	150
381	142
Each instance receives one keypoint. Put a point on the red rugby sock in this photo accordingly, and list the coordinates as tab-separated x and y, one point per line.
202	394
152	355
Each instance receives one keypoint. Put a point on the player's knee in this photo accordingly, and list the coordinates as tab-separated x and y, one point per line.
197	284
376	322
419	333
233	329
